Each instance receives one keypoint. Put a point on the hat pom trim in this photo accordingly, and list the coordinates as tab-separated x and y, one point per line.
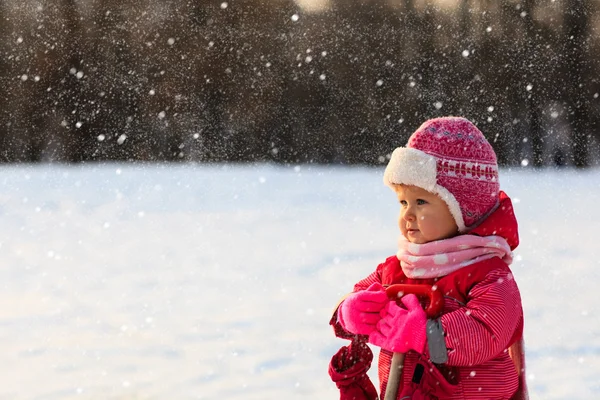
409	166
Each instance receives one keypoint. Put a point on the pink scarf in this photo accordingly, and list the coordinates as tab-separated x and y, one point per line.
442	257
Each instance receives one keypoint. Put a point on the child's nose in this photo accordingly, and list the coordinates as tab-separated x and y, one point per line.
409	215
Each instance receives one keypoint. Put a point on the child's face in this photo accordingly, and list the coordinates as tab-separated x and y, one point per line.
424	216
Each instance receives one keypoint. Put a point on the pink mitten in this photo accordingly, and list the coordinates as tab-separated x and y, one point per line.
400	329
360	312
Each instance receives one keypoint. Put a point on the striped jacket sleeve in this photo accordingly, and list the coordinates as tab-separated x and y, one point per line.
363	284
484	328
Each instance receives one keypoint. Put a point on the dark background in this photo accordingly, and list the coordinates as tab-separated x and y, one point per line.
267	80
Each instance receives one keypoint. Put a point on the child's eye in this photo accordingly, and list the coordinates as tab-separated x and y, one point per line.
420	202
403	202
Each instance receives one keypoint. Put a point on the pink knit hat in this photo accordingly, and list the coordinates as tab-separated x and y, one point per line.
450	157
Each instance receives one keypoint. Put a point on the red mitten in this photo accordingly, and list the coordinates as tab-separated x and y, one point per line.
360	312
348	369
400	329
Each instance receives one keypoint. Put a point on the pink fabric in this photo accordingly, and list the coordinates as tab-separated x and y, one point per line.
442	257
401	329
466	163
360	312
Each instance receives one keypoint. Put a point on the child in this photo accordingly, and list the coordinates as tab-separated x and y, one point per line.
458	231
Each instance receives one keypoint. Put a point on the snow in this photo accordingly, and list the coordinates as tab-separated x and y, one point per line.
206	282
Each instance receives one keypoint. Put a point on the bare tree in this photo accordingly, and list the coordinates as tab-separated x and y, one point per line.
576	44
4	94
532	78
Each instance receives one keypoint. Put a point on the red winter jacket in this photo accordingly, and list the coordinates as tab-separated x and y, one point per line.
482	319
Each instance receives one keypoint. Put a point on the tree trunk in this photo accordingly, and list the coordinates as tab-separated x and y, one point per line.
576	25
3	77
533	78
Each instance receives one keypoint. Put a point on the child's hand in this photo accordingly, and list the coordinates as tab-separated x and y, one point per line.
360	312
400	329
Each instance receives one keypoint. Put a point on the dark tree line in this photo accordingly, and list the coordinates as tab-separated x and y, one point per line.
263	80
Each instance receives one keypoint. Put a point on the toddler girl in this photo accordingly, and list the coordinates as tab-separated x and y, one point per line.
458	231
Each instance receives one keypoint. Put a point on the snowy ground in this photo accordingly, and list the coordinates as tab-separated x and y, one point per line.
152	282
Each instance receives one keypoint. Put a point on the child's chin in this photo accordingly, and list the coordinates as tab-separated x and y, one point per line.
415	237
416	240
